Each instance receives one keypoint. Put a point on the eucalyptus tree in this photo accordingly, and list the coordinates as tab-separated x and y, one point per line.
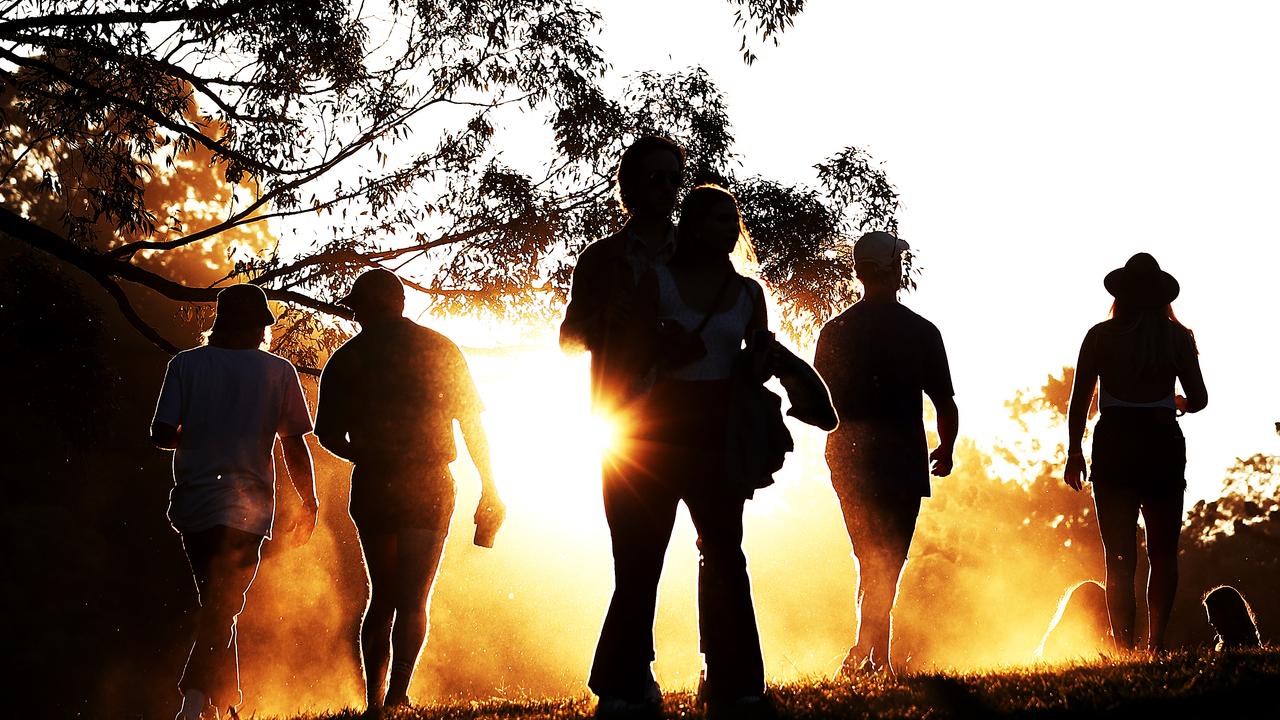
167	146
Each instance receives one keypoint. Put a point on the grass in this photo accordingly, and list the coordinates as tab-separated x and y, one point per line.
1239	684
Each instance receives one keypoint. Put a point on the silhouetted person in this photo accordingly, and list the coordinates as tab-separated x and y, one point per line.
599	319
1232	619
1079	628
603	293
388	399
221	408
697	311
877	357
1139	455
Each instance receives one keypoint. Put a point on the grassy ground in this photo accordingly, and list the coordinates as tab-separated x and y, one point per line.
1243	684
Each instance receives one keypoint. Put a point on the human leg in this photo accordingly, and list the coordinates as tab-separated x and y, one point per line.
1117	510
380	561
419	552
726	616
641	513
880	524
224	562
1162	515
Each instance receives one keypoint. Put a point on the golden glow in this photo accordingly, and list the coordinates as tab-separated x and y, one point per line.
602	434
522	619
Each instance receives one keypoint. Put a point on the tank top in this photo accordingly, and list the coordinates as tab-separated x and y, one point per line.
722	335
1107	400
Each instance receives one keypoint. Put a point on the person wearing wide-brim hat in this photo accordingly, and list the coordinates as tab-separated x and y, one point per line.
1139	454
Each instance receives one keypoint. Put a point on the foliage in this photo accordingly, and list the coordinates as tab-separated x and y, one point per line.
365	138
1249	502
766	18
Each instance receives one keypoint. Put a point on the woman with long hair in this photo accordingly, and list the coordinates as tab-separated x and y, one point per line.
1139	454
692	315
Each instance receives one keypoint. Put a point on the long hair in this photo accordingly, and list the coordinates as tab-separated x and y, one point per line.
1231	617
1157	329
693	209
227	334
629	164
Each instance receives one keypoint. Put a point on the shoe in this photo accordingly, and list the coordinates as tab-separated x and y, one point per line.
746	707
647	707
397	702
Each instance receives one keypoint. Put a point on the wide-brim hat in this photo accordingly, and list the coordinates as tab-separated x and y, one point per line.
244	305
375	284
1141	281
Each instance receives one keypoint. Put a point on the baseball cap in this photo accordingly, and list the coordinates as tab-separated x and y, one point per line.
244	305
375	283
879	248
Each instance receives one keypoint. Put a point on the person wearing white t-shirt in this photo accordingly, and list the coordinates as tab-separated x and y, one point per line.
221	408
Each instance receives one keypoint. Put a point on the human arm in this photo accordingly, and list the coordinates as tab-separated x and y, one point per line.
338	444
292	428
467	407
477	442
1086	381
331	410
948	429
759	311
165	436
166	426
936	383
1191	378
297	460
585	315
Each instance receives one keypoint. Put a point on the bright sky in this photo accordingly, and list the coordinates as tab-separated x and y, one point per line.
1036	146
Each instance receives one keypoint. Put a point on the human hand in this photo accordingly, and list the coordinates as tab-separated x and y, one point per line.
942	461
490	508
489	516
1180	402
1077	472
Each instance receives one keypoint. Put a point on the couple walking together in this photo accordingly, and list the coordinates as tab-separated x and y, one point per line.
665	317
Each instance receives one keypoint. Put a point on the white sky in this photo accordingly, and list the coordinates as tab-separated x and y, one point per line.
1036	146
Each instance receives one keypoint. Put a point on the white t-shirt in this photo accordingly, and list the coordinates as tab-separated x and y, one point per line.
230	405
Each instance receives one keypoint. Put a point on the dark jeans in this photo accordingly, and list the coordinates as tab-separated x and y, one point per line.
643	486
224	562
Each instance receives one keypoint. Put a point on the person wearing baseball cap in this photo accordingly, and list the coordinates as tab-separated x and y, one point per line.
1133	360
388	400
878	359
220	410
377	288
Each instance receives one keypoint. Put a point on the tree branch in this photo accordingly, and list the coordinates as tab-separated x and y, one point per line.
147	112
97	264
118	17
126	308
